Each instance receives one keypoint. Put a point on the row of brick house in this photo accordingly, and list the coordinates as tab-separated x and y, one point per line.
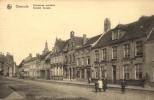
124	52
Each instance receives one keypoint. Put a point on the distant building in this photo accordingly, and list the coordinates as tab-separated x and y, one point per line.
35	67
7	65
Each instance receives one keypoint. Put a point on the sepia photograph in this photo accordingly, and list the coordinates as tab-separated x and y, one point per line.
76	49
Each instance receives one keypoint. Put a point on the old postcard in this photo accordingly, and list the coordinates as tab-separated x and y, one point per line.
76	49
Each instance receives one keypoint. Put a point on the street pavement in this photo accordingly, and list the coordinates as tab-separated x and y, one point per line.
40	90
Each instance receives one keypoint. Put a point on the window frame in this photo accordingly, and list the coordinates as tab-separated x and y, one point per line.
114	52
104	54
138	71
126	73
97	55
139	48
126	50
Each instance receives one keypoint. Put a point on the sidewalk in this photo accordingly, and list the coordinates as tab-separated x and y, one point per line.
84	83
91	85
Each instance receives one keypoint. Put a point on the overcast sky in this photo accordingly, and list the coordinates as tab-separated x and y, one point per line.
25	30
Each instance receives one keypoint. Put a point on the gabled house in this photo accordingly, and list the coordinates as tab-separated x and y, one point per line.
69	55
83	58
57	60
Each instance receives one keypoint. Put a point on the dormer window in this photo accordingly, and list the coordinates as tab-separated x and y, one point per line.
115	35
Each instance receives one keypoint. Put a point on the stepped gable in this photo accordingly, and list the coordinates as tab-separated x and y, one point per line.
77	40
138	29
59	44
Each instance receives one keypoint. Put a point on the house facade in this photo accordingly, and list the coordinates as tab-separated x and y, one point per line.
124	52
121	52
84	58
149	58
57	60
69	55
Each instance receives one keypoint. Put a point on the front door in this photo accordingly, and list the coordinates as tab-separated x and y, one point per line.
114	73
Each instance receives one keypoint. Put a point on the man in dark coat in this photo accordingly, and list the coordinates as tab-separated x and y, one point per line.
96	85
104	84
123	85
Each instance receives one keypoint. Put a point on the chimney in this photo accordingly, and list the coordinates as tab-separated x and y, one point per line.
30	55
71	34
107	25
84	39
37	55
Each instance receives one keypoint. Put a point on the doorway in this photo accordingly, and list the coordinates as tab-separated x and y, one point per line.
114	73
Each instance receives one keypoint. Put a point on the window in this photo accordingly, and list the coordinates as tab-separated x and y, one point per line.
153	73
70	59
153	55
85	61
104	54
82	60
73	57
139	71
115	35
126	72
114	52
66	59
77	62
139	48
97	55
88	60
126	50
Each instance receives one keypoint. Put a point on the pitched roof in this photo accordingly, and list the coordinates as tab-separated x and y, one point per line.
92	40
44	55
138	29
151	35
29	60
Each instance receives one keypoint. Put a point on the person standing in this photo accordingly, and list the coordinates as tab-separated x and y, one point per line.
100	85
123	86
96	85
89	80
104	84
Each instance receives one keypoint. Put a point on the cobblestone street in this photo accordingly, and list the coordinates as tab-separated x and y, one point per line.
30	89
